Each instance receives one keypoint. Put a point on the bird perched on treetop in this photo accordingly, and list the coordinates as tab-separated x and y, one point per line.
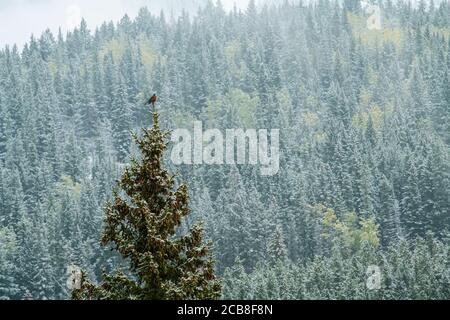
153	100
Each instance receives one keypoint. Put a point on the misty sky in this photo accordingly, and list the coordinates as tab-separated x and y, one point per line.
21	18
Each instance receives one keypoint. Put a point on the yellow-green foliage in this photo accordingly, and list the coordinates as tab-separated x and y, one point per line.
245	106
53	64
232	48
351	229
361	119
232	55
372	76
116	47
320	137
213	110
442	32
311	119
242	103
369	108
365	97
312	102
285	99
286	109
148	54
7	243
52	67
68	185
374	37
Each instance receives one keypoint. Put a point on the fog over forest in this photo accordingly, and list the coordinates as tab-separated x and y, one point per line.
28	17
358	94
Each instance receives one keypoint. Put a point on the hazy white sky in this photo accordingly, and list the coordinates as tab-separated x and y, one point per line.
21	18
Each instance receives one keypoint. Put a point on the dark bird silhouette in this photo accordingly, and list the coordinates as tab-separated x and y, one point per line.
153	100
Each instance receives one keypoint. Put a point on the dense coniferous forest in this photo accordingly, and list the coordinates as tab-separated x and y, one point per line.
364	120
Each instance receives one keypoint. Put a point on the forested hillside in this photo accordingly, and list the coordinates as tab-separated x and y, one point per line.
364	120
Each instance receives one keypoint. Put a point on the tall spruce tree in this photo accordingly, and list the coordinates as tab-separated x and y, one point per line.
141	224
